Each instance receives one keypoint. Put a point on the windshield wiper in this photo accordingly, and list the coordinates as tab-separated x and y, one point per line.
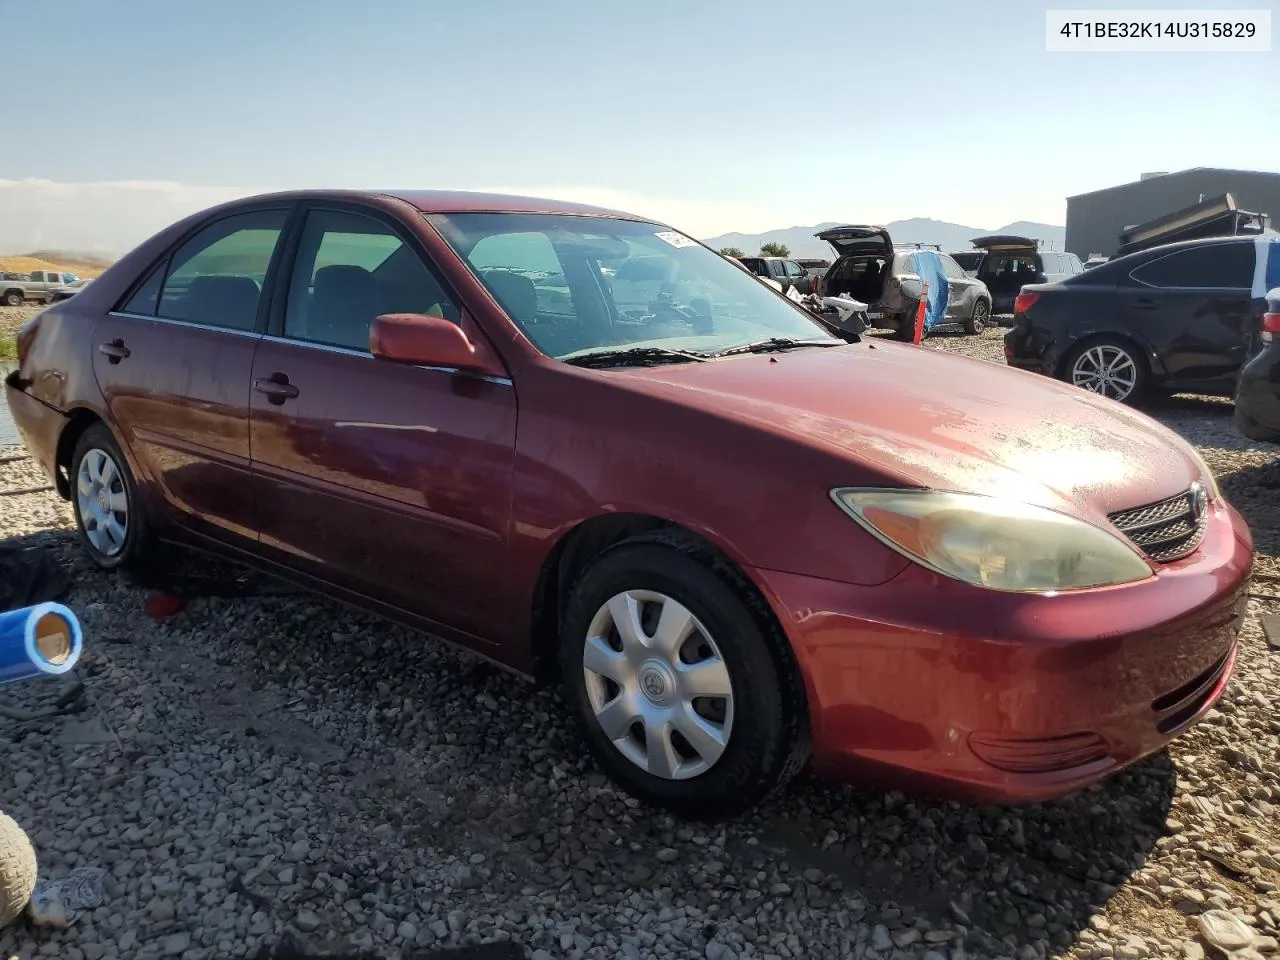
634	357
777	343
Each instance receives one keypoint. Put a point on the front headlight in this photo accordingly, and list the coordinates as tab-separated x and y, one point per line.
994	543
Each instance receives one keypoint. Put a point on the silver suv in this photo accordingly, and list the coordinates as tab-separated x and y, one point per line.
871	269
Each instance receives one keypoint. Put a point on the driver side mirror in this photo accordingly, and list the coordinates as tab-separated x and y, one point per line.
420	338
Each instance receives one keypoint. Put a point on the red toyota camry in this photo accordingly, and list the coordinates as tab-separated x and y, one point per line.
584	445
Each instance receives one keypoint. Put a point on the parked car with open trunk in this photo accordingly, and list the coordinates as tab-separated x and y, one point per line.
870	268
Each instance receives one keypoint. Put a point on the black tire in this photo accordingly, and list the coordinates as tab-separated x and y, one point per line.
1109	347
137	541
768	742
906	329
980	317
14	298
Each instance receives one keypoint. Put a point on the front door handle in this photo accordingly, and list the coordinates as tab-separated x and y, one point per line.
1146	303
277	388
114	350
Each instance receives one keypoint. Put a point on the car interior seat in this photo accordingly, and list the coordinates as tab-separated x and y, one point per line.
343	306
222	301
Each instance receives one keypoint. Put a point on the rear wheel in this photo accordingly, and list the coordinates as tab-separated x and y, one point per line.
14	298
981	316
108	510
1108	367
907	325
680	679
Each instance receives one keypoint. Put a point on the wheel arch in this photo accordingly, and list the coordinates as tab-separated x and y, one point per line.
1140	349
79	419
582	544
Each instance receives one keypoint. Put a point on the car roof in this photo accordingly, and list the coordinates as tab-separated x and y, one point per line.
450	201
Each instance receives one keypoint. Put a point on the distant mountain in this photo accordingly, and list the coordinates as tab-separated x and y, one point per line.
950	236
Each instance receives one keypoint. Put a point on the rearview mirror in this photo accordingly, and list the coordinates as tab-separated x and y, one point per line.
421	338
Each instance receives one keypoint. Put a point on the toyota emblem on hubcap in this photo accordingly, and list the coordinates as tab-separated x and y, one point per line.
654	685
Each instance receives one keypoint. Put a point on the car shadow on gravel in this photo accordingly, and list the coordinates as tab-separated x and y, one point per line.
481	763
456	760
1010	875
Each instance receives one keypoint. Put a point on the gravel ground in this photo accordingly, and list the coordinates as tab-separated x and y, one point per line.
278	776
11	318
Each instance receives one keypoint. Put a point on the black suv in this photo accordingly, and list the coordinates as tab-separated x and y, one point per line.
1183	317
1009	263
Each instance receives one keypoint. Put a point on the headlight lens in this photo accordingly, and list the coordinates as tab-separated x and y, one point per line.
994	543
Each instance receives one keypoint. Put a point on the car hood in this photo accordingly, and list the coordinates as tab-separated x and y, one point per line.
917	416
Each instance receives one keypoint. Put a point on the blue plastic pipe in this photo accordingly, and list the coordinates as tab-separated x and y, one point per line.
44	639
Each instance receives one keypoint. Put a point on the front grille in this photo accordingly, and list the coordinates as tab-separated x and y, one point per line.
1164	531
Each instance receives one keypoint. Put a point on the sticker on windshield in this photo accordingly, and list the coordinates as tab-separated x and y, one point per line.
676	239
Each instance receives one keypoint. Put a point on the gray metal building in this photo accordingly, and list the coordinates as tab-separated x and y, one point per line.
1094	220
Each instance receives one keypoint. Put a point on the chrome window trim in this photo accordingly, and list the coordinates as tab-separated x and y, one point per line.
366	355
327	348
185	323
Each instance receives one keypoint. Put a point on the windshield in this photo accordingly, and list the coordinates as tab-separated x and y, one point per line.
578	285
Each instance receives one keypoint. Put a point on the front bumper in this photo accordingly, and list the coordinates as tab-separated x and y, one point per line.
930	684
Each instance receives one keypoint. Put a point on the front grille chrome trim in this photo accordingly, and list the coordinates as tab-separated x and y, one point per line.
1169	529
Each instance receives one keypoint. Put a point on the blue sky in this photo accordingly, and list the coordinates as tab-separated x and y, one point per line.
713	115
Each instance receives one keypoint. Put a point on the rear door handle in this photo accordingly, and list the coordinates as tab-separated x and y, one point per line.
1146	303
277	388
114	350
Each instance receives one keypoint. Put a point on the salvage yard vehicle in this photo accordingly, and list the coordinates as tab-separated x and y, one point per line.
738	537
1182	317
1011	262
17	289
871	269
67	290
1257	410
786	273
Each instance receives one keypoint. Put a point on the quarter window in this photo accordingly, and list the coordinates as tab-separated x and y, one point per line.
351	268
1215	266
215	279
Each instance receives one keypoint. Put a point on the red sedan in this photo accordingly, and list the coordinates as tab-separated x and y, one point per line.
584	445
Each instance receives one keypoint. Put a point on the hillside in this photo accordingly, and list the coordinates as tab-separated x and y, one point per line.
82	265
950	236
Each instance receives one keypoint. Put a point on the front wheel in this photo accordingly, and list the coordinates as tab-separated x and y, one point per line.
13	299
980	317
108	510
681	681
1110	368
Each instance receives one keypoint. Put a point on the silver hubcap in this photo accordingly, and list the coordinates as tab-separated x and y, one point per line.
104	505
1106	370
658	685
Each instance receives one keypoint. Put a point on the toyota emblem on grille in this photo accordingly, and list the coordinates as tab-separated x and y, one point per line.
1197	501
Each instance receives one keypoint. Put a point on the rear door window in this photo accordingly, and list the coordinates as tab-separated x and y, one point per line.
1223	266
215	278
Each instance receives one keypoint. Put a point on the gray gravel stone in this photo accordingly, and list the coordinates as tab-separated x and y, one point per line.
280	765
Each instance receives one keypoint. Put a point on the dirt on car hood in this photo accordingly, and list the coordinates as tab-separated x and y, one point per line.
933	419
